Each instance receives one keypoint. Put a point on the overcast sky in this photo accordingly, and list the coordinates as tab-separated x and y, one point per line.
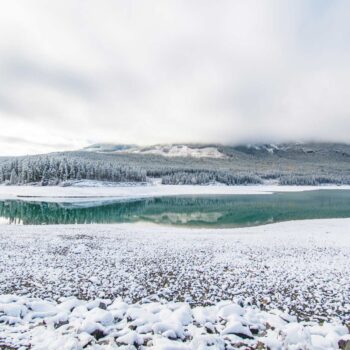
74	73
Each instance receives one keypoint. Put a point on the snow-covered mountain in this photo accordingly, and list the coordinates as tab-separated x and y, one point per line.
289	164
167	150
179	151
107	147
294	150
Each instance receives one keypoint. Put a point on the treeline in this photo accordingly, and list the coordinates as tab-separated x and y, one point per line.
303	180
212	177
54	170
61	168
209	177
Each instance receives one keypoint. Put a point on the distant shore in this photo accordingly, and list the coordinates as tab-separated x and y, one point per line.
131	191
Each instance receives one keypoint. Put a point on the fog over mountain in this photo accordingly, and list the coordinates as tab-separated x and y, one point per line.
76	73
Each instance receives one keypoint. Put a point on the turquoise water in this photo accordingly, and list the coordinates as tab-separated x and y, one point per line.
203	211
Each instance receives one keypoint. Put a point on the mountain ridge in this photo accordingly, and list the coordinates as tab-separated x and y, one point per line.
212	150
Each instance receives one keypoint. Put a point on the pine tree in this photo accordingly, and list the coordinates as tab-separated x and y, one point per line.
13	177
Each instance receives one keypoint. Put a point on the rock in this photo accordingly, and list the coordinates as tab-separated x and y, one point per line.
100	316
13	310
238	329
254	330
97	334
94	280
60	324
232	309
102	306
131	338
344	344
295	334
209	328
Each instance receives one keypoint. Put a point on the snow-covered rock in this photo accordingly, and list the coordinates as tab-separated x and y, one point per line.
157	326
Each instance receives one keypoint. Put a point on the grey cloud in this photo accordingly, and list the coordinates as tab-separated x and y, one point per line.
23	69
176	71
26	142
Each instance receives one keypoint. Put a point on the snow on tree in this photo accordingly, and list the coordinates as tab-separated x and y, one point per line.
52	170
13	177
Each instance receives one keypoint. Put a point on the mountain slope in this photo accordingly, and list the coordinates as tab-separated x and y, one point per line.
304	151
289	163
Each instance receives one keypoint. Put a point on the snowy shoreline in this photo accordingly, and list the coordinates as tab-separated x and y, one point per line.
299	265
77	193
139	286
286	270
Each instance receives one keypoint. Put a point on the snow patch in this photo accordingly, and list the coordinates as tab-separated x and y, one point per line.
177	151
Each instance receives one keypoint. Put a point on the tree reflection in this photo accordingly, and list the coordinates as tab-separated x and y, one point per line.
224	211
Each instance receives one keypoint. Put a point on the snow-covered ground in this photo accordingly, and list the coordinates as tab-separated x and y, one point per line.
166	287
74	324
83	193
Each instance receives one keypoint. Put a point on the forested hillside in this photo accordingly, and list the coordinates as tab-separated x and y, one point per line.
56	169
287	164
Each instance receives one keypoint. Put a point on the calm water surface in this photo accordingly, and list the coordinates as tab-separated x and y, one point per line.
205	211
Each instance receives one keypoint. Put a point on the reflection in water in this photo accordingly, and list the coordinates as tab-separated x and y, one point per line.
211	211
183	218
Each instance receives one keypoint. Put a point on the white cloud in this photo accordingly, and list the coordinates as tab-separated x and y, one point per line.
74	72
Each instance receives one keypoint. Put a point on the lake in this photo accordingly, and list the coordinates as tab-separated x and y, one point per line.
195	211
